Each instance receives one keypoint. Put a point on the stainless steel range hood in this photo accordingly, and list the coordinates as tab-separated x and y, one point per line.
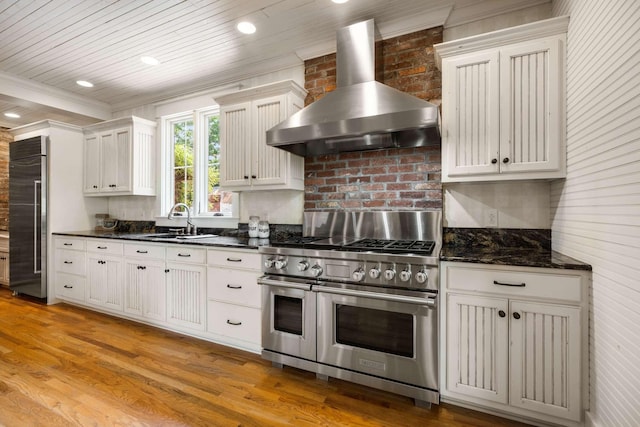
361	114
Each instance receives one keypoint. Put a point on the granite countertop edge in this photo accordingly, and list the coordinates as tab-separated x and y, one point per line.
552	259
217	241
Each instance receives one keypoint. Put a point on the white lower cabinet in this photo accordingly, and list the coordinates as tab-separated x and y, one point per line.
510	345
233	297
210	293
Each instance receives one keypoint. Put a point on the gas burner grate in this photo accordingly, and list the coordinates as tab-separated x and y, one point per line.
392	246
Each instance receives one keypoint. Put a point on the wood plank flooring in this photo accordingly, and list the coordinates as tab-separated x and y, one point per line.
65	366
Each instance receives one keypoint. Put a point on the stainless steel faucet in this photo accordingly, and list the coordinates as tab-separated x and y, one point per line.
191	229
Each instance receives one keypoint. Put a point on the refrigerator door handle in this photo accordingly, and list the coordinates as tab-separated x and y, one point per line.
36	183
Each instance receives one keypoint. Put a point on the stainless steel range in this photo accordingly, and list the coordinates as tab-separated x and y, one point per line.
356	299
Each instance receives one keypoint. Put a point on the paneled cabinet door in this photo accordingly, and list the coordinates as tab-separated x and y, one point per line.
545	354
92	167
116	160
269	164
471	120
186	295
104	281
477	346
235	134
144	288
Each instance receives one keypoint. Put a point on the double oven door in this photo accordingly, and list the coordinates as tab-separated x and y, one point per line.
288	317
385	333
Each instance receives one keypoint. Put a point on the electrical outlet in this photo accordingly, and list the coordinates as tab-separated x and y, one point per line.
491	218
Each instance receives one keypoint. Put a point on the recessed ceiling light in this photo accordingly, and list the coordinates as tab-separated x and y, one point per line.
149	60
339	1
12	115
84	83
246	27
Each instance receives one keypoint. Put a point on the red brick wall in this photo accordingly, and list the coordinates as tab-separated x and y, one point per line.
393	179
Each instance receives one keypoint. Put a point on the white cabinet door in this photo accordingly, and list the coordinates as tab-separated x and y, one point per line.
544	358
477	346
144	288
116	160
186	295
531	134
269	164
92	167
4	268
104	281
235	154
471	120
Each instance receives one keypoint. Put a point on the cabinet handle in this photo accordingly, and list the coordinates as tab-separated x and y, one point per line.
518	285
501	313
68	244
246	177
234	259
229	322
141	252
505	160
494	161
101	247
95	186
516	315
166	270
254	176
68	287
234	286
68	262
184	255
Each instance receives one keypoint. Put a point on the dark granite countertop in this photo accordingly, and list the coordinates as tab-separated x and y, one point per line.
220	241
516	247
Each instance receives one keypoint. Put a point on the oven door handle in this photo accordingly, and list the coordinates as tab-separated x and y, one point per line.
429	301
283	284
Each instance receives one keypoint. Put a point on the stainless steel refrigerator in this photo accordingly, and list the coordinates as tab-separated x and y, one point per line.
28	216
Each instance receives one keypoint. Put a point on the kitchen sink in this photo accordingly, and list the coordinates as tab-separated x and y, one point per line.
170	236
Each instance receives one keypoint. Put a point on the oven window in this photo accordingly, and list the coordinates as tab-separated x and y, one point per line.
287	314
379	330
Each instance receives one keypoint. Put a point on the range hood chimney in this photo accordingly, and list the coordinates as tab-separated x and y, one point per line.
361	114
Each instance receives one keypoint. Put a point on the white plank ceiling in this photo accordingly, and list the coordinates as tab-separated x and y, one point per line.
52	43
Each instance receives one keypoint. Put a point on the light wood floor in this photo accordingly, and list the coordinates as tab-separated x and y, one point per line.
61	365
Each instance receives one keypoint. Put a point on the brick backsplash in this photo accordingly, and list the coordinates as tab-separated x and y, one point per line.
392	179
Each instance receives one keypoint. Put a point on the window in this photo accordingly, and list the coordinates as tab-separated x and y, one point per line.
192	148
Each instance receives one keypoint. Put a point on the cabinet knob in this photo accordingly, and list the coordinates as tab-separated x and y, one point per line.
516	315
505	160
494	161
501	313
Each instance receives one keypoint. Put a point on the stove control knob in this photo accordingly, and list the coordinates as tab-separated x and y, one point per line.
422	276
281	263
316	270
358	275
405	275
303	266
389	274
374	273
268	263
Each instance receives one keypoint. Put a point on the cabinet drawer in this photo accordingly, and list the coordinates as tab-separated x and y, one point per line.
70	262
180	253
69	286
234	286
70	243
144	251
234	259
509	282
108	247
234	321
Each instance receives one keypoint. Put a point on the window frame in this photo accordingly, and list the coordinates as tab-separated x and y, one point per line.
200	145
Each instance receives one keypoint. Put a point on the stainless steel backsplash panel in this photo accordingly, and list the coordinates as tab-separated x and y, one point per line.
392	225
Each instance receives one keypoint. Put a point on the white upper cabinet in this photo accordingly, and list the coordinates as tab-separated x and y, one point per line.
503	99
247	163
119	158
